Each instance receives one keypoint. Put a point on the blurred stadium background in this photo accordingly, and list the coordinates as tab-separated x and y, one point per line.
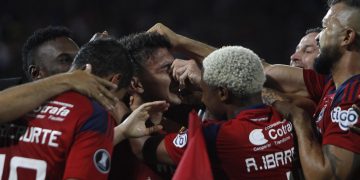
272	28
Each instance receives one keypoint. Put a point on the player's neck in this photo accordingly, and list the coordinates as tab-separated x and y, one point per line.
348	66
241	104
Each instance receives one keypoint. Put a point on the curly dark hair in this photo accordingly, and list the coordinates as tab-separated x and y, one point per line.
39	37
141	47
107	56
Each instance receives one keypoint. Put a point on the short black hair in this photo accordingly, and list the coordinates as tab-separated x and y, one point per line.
313	30
351	3
106	56
39	37
141	46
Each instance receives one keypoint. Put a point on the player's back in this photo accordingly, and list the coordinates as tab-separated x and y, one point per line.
256	144
56	131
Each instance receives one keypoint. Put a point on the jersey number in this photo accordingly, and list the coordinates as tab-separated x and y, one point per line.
38	165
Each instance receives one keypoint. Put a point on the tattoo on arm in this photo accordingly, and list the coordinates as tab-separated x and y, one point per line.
269	96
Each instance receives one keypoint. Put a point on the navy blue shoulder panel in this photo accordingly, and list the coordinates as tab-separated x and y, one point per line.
344	92
98	121
210	134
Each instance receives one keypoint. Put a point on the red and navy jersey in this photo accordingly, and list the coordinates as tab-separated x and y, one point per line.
334	113
258	143
70	136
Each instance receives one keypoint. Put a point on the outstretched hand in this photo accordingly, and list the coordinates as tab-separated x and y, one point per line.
92	86
134	125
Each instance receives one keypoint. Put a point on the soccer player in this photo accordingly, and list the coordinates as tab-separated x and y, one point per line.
24	98
250	139
151	82
306	51
47	52
332	151
71	136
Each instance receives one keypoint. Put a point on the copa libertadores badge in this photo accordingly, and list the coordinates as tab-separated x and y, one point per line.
102	160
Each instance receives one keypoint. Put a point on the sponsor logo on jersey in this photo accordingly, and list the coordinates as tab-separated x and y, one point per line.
280	132
54	110
102	160
344	118
274	134
256	137
181	138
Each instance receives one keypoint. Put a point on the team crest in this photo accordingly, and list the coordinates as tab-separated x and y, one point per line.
181	138
344	118
102	161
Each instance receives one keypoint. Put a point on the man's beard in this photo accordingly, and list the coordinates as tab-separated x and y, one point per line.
326	60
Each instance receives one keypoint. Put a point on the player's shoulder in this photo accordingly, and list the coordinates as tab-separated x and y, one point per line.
75	98
81	103
348	91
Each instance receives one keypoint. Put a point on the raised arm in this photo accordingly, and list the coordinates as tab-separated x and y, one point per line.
21	99
194	49
283	78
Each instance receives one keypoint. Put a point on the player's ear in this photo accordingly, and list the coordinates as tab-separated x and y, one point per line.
223	93
136	85
34	72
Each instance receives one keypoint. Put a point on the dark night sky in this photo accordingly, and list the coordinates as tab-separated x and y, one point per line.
272	28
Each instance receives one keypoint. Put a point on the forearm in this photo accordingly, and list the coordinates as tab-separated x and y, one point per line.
193	48
314	163
285	79
269	96
118	134
21	99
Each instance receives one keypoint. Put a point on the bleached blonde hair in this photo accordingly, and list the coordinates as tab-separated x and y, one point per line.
237	68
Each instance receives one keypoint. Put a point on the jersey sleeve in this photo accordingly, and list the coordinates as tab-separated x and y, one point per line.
90	154
337	132
315	84
175	144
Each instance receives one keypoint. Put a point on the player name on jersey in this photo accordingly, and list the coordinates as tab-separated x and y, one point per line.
270	161
272	135
41	136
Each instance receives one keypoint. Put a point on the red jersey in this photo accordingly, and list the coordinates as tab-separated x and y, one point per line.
334	113
68	137
258	143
